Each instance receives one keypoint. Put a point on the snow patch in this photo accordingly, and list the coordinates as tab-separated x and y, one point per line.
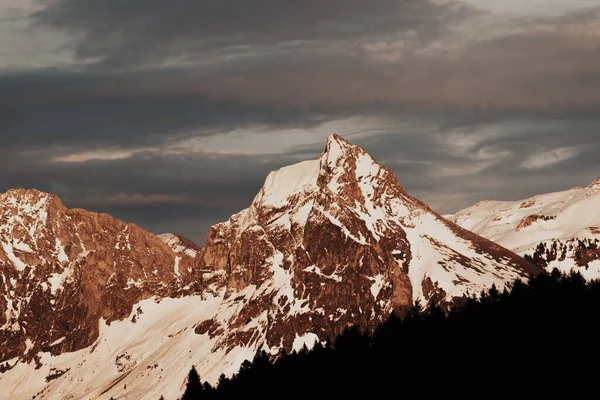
308	339
176	268
22	247
377	285
57	281
58	341
283	183
62	256
16	261
28	345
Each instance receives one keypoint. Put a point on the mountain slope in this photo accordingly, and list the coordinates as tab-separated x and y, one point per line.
523	225
326	243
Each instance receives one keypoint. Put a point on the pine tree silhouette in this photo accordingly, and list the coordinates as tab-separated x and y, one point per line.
194	386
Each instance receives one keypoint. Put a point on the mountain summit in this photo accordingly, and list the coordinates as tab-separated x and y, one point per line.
325	244
338	241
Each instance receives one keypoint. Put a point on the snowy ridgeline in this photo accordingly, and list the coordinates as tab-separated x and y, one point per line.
521	225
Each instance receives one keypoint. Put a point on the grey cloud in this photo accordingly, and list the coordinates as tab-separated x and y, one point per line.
540	68
526	90
98	110
140	31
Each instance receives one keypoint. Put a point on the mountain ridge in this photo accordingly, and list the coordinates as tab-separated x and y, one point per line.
549	220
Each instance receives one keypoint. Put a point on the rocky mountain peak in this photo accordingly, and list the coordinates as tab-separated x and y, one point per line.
66	269
344	172
338	147
180	244
337	241
29	201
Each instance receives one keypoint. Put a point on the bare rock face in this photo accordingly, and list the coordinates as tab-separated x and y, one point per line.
337	241
62	270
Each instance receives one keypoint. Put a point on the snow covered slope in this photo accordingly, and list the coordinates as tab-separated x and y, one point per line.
522	225
179	244
326	243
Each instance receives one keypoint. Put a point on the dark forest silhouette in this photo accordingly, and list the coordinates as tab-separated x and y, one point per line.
537	337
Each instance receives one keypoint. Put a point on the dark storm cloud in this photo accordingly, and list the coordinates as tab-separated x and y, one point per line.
138	31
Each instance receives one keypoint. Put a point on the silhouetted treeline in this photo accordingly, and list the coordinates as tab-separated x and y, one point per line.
533	339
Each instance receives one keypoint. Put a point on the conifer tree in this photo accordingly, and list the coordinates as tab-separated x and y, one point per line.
194	386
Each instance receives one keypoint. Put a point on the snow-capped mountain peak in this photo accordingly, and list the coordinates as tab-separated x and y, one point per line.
325	244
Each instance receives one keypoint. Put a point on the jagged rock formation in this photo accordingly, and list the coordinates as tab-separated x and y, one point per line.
62	270
326	243
338	241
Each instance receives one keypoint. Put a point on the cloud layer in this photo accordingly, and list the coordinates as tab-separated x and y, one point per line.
171	114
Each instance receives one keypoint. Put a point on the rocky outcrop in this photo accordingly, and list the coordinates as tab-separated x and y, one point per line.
530	219
62	270
595	184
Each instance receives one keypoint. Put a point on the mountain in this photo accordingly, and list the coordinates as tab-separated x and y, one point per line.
63	269
337	241
548	223
325	244
180	244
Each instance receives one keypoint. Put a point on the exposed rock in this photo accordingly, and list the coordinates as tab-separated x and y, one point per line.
62	270
530	219
580	255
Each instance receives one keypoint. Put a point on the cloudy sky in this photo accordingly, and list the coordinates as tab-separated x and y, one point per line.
171	113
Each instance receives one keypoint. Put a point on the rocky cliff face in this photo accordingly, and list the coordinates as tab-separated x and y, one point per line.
337	241
326	243
62	270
